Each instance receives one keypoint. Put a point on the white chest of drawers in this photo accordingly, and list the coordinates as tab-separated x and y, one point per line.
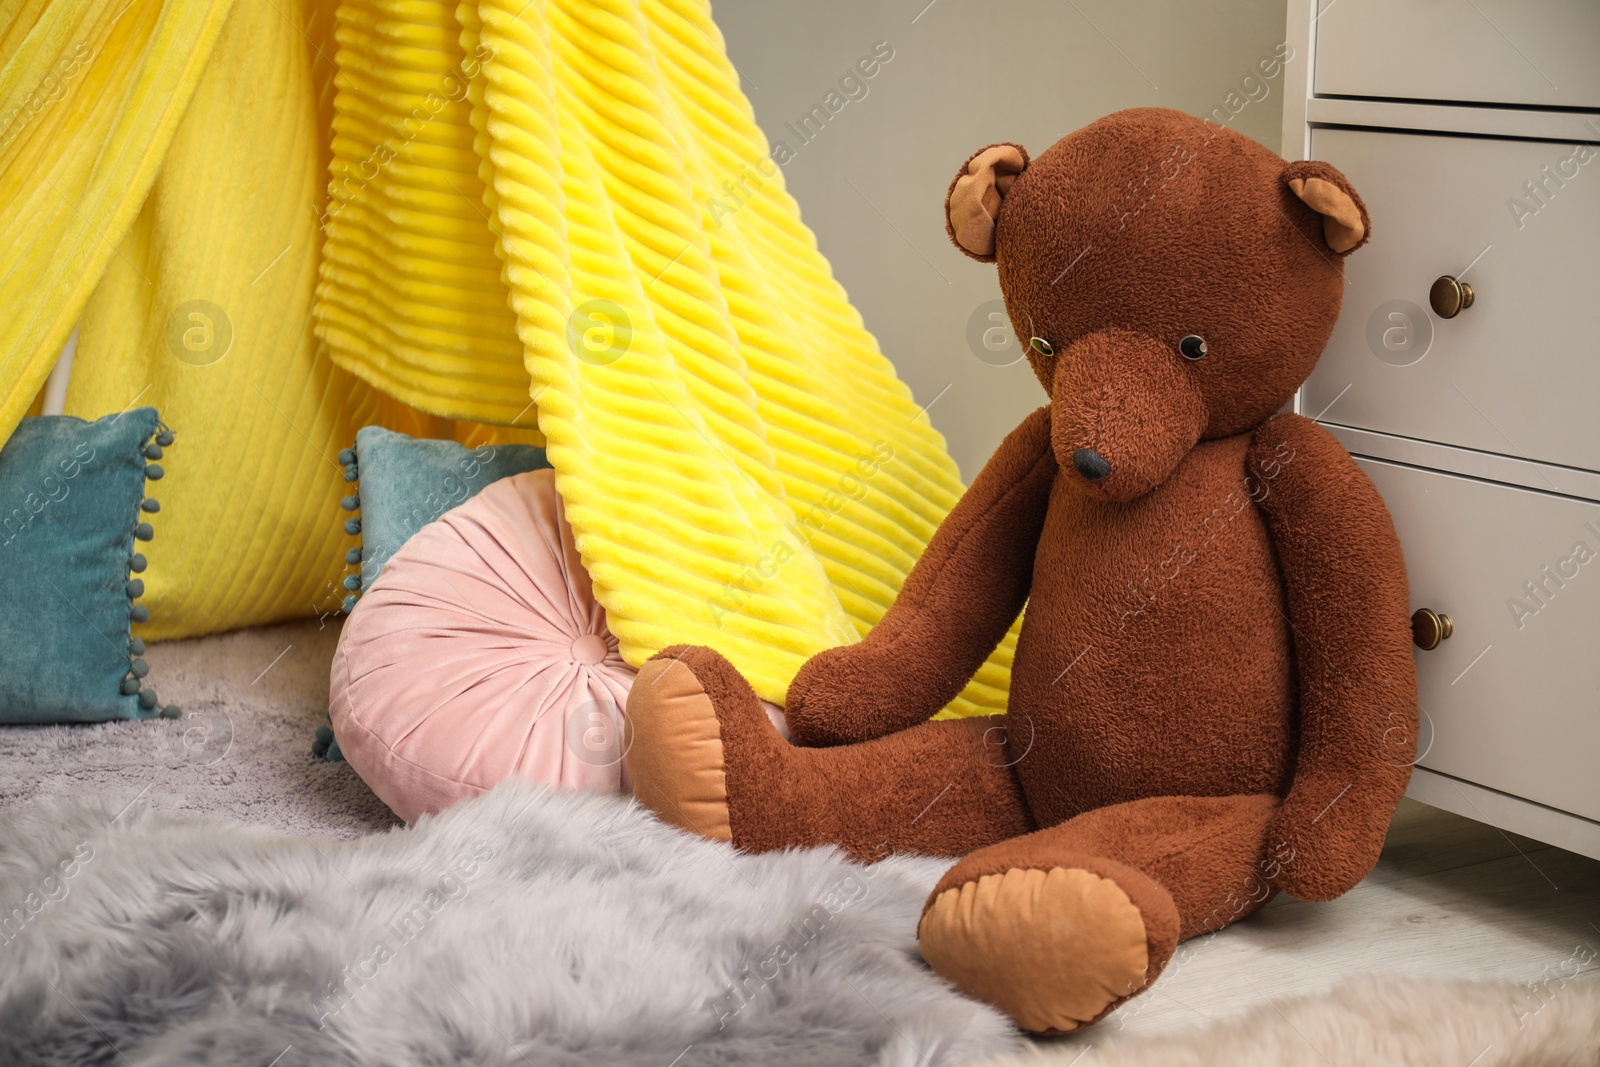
1472	130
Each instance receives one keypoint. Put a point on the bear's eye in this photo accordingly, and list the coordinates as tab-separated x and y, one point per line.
1192	347
1041	346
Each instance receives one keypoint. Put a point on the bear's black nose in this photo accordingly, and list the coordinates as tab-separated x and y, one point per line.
1091	464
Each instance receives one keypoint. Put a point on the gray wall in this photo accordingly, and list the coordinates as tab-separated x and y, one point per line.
964	74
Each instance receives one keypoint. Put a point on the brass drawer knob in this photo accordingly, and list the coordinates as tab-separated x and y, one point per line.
1449	297
1429	627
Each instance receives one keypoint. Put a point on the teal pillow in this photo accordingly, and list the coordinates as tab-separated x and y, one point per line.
72	511
403	483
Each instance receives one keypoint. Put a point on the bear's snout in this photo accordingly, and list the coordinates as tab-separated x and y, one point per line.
1124	412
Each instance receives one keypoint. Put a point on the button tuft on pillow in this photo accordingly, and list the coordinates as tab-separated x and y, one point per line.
589	649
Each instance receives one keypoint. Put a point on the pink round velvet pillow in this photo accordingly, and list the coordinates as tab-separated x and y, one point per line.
480	653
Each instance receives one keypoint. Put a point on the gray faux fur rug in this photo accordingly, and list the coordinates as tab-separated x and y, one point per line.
522	928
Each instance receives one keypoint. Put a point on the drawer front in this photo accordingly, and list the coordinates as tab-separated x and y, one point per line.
1512	699
1517	372
1482	51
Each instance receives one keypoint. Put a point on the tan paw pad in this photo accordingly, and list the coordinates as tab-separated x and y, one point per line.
674	750
1052	949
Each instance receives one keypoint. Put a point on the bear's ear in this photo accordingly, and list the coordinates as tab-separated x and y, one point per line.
1345	225
973	199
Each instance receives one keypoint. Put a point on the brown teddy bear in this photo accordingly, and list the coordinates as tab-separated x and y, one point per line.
1213	696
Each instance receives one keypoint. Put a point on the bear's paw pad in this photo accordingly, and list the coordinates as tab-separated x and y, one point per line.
1053	949
674	750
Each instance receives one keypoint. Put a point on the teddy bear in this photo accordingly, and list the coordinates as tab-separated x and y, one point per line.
1213	697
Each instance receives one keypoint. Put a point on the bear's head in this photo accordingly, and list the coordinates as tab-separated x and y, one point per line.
1174	282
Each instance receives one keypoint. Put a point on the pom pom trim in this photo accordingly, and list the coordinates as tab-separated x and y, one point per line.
133	679
353	579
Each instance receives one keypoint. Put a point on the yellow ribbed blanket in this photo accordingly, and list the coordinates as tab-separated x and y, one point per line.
522	228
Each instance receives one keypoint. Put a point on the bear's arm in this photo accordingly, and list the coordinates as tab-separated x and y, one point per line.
955	606
1345	581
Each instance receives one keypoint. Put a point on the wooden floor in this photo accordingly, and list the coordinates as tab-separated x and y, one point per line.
1450	897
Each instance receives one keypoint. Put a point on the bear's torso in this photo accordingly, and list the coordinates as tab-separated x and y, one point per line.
1156	657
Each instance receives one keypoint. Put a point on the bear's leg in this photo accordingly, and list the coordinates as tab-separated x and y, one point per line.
703	755
1058	927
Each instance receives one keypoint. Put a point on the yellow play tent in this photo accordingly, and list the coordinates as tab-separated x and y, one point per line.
491	222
